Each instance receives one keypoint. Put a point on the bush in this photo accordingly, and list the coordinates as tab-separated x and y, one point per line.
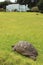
2	10
35	9
40	6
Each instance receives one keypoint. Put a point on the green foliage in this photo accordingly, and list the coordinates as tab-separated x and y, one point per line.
3	4
20	26
35	9
2	10
40	5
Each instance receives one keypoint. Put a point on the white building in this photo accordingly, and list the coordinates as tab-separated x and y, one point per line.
17	7
12	7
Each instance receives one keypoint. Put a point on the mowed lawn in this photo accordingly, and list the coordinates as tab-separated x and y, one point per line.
18	26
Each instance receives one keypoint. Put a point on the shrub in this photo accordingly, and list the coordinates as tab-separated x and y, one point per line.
35	9
2	10
40	6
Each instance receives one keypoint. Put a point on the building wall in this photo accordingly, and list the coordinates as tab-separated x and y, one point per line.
18	7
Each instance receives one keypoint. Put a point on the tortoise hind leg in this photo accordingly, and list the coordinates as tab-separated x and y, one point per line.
33	57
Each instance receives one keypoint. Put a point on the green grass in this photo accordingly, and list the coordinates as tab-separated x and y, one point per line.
20	26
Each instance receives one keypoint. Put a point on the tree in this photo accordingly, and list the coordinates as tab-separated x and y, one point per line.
40	6
23	2
30	3
3	4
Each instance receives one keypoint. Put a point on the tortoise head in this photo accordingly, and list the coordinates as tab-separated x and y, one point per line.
13	46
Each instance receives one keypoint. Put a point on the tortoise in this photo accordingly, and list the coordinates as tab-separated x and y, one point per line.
25	48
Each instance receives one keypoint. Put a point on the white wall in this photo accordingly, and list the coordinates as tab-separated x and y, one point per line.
18	7
12	7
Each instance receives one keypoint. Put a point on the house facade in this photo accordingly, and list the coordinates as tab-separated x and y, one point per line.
17	7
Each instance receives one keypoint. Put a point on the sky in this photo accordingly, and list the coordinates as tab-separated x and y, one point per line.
10	0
